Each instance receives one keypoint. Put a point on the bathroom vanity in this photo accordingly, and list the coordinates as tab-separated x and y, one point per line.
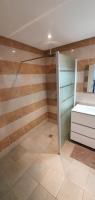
83	125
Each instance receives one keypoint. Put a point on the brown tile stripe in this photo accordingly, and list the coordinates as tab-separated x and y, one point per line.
52	102
52	115
51	86
10	93
13	116
82	68
4	143
20	132
51	69
52	120
81	87
85	62
7	67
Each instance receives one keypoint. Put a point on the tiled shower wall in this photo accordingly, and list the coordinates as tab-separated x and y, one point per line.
52	90
24	89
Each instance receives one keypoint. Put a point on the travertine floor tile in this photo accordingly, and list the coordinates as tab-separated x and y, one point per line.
84	155
41	194
78	173
24	187
13	172
10	196
40	137
4	187
17	153
42	165
68	148
88	196
70	191
66	162
54	178
90	186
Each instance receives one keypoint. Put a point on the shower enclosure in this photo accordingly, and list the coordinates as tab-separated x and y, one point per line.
65	67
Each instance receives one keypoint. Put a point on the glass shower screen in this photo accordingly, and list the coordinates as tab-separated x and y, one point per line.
65	95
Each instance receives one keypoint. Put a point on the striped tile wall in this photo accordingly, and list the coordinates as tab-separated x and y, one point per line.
23	99
52	91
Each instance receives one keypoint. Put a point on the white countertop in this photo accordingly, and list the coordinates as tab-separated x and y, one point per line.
89	110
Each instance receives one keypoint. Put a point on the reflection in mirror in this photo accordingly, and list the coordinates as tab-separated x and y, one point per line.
91	79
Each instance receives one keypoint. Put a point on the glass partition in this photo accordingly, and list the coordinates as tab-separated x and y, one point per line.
65	91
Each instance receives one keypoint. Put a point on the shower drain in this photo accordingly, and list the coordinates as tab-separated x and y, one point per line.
50	135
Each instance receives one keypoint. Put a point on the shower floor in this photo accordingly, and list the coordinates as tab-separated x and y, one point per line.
42	139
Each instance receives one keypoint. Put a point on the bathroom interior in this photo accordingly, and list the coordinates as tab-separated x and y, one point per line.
47	120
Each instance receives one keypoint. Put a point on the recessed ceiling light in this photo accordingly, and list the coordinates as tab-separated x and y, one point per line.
13	51
49	36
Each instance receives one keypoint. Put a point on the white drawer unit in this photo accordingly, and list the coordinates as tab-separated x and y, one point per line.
83	125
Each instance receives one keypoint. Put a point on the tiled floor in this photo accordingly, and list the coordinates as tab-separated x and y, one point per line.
26	174
84	155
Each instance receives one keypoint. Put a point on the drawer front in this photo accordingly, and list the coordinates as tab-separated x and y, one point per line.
80	118
83	140
83	130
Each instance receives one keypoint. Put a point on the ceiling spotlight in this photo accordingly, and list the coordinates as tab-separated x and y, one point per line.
13	51
49	36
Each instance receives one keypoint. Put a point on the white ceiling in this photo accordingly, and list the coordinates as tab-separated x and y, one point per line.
30	21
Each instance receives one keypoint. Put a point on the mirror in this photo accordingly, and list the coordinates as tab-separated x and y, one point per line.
91	79
86	76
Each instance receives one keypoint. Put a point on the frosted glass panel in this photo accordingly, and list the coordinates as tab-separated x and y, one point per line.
66	94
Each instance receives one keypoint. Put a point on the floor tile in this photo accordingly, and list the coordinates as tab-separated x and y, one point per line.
40	137
17	153
24	187
13	172
10	196
41	194
70	191
90	186
4	187
66	162
88	196
54	178
42	165
84	155
68	148
78	173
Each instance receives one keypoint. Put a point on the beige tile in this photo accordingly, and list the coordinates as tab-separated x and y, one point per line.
5	163
70	191
90	186
42	164
27	160
88	196
24	187
68	148
78	173
41	194
54	178
40	137
17	153
13	172
10	196
66	162
4	187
